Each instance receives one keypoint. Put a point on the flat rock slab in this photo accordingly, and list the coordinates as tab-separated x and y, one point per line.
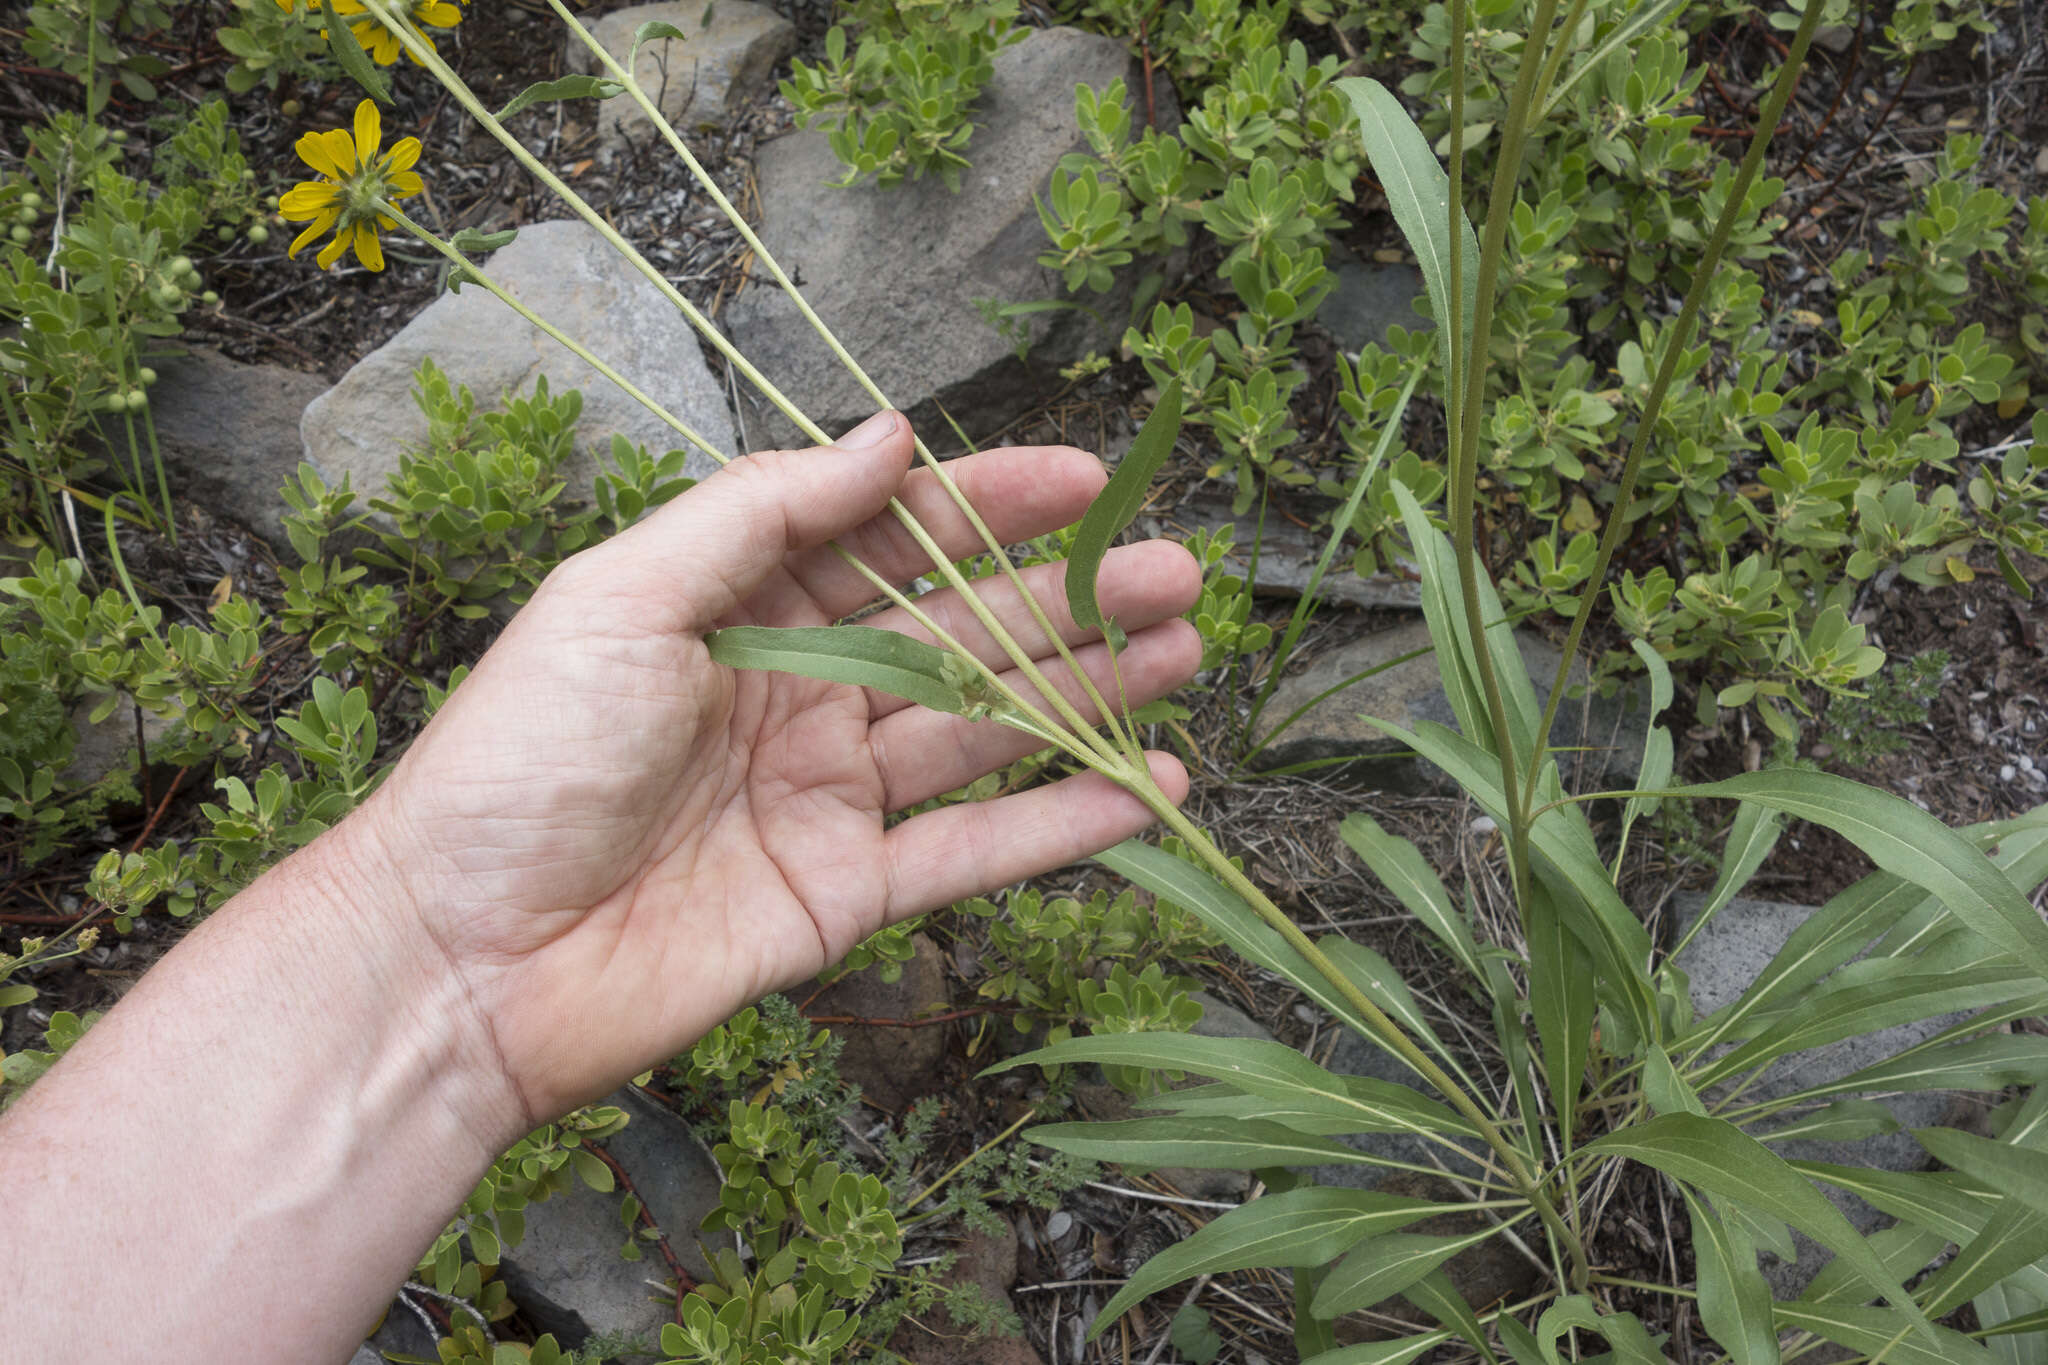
727	58
229	435
566	273
896	273
567	1275
1722	962
1600	740
1287	554
1368	299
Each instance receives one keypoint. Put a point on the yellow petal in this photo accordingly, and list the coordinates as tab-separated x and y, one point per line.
405	184
308	199
369	131
404	153
285	5
437	13
368	249
347	7
341	150
331	253
312	150
425	38
387	222
314	229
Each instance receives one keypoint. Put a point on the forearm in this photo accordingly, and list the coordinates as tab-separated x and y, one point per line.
257	1143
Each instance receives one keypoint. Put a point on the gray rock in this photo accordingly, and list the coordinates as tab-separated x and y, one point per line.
1722	962
229	435
567	1276
1287	554
1600	741
730	52
891	1066
568	275
1368	299
1222	1020
365	1355
897	272
101	749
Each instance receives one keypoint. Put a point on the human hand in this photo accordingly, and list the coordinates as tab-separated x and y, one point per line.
616	842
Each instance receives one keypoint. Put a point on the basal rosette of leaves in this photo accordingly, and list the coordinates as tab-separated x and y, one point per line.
1601	1066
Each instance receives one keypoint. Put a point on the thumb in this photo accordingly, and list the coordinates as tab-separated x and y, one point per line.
705	552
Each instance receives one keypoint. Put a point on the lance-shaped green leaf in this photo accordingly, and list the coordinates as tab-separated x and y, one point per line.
2020	1172
1419	193
1905	1250
1399	1351
1306	1227
1234	921
860	656
1115	507
1376	1107
2014	1239
1244	1144
561	88
1624	1332
1720	1158
1842	1121
1867	1330
1940	1201
348	50
1561	999
1378	982
1255	1065
1988	1063
652	29
1904	840
1403	870
1735	1300
1435	1295
1750	840
1384	1266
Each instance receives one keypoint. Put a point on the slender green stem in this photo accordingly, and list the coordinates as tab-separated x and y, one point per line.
845	357
1674	347
473	273
416	45
998	1140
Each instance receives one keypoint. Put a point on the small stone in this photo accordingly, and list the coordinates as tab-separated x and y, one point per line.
102	748
1484	825
2041	162
1221	1020
1058	1225
1371	298
725	60
1834	37
568	274
2007	772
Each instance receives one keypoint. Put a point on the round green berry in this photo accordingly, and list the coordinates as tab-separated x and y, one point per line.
20	234
247	175
26	214
224	233
31	200
182	265
290	108
146	375
259	234
209	297
114	402
169	295
119	135
137	400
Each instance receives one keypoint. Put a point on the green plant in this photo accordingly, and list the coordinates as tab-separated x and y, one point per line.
1859	729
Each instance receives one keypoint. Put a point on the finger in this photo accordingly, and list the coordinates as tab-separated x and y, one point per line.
1020	492
699	556
947	855
1138	585
921	753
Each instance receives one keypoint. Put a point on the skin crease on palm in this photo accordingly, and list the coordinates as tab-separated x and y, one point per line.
631	842
603	845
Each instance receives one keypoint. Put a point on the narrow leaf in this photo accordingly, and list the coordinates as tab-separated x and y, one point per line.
1306	1227
1561	998
1385	1266
2019	1172
561	88
348	50
1118	503
1403	870
1735	1300
1904	1340
860	656
1419	193
1201	1143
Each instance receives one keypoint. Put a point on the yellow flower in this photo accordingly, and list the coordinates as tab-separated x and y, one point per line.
355	179
380	42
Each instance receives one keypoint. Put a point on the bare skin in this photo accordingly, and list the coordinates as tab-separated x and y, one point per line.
601	847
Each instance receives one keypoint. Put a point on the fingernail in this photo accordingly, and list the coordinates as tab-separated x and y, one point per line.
872	432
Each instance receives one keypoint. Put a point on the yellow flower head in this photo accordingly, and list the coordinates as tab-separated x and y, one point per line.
380	42
354	180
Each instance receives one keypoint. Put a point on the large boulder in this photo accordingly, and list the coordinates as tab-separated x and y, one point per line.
229	434
891	1064
727	58
898	273
567	274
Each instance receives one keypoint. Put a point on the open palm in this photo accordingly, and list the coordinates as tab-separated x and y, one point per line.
660	839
